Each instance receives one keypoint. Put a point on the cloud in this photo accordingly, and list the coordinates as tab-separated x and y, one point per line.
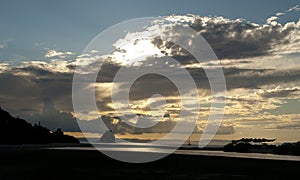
276	63
282	122
16	92
246	102
236	39
4	67
48	80
119	126
255	79
38	83
280	14
226	130
251	78
5	43
58	54
271	19
32	82
295	126
53	118
256	59
294	9
279	92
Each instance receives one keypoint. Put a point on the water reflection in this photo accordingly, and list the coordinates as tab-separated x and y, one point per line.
151	148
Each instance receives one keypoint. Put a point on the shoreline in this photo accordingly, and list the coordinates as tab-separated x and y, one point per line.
43	163
129	148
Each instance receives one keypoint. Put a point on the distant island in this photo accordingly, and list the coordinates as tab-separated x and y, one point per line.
108	137
260	145
14	130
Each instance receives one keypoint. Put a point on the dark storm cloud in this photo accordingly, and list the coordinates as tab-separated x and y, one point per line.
34	83
53	118
18	90
254	79
236	39
235	78
29	85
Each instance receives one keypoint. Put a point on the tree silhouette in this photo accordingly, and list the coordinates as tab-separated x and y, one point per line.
18	131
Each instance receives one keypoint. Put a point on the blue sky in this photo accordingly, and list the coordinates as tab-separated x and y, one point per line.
28	27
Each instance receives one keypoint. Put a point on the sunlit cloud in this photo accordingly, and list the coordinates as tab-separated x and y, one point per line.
57	54
260	64
295	8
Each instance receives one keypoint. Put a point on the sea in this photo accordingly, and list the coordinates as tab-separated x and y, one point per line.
213	149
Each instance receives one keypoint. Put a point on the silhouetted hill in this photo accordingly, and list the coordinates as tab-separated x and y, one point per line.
18	131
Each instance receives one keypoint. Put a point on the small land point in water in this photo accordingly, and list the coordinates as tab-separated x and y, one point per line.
108	137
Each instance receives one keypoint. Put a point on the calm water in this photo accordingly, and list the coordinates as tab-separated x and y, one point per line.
148	147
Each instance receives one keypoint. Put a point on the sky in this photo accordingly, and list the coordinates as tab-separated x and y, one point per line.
257	43
30	27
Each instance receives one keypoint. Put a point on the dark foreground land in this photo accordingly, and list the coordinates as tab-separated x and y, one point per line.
44	164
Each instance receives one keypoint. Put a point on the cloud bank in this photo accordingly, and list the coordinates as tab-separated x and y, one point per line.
247	51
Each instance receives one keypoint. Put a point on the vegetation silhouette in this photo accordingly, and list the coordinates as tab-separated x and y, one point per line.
250	145
288	149
260	146
14	130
